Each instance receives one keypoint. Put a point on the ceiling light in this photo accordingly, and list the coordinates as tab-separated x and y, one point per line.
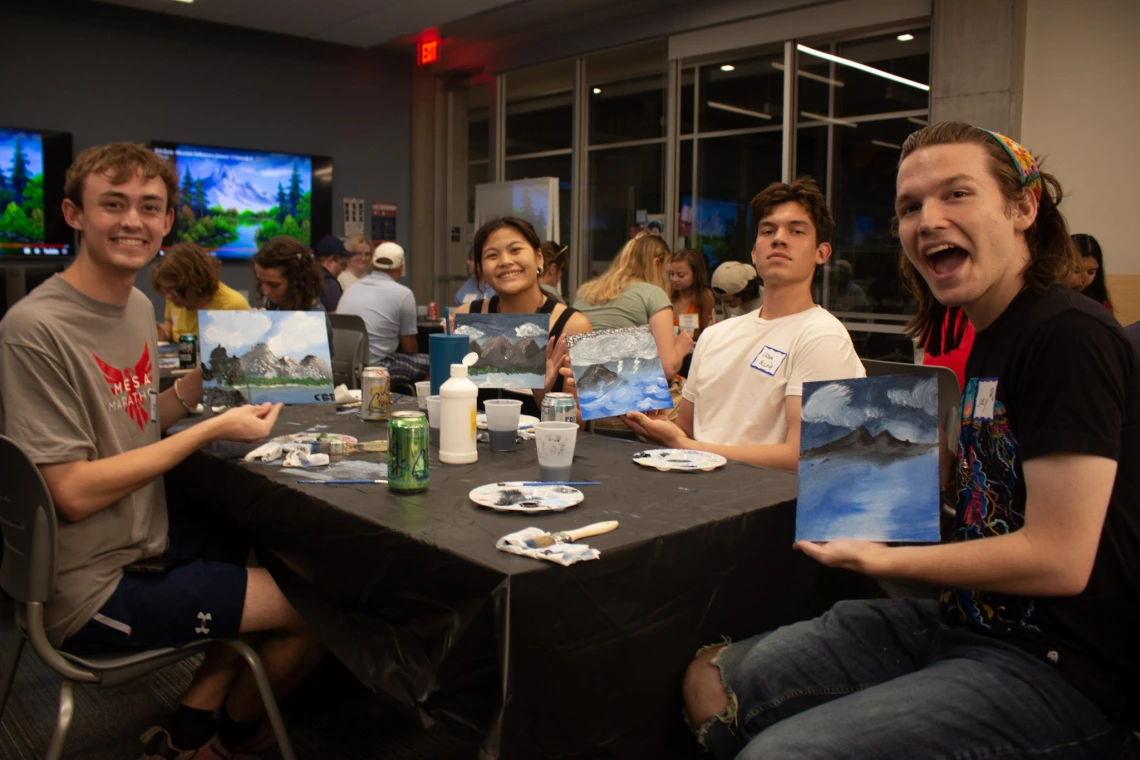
863	67
184	1
739	110
809	75
828	119
597	90
883	144
728	67
905	37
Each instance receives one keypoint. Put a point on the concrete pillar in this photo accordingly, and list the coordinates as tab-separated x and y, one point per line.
421	216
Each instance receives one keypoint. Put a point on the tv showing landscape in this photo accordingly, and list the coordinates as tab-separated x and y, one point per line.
33	164
231	201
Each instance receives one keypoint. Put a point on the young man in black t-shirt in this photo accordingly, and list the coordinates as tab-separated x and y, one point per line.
1031	651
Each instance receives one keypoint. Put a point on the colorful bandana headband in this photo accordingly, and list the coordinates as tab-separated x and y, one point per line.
1023	161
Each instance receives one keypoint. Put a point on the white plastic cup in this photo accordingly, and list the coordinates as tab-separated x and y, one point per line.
502	422
555	443
432	403
423	390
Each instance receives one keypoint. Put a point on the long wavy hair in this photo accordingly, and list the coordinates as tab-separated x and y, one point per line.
703	295
1052	255
190	270
1097	290
639	259
298	266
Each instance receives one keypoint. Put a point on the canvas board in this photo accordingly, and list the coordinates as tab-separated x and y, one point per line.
511	348
250	357
617	372
869	460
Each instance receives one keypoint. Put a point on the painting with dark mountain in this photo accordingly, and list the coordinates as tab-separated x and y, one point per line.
618	371
511	348
869	460
250	357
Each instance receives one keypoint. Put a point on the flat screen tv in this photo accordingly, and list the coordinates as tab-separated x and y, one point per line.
33	165
233	200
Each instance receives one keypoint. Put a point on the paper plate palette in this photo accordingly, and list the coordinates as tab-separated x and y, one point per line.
525	421
313	438
515	497
679	459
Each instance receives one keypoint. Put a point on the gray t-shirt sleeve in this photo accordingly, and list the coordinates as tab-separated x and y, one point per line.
42	412
408	315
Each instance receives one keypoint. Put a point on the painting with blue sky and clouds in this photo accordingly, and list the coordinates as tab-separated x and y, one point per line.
617	372
869	460
258	356
511	348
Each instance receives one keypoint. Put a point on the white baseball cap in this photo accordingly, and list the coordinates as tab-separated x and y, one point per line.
388	256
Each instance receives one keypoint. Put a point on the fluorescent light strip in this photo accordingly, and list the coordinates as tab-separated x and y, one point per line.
863	67
882	144
809	75
737	109
828	119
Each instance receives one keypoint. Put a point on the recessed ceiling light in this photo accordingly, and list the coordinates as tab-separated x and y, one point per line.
728	67
597	90
184	1
905	37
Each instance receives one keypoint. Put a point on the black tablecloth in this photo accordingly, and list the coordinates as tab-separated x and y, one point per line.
542	661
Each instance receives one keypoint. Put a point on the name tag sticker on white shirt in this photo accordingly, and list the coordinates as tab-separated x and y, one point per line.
987	396
769	360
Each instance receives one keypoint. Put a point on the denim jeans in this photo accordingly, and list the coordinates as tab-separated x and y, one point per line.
888	679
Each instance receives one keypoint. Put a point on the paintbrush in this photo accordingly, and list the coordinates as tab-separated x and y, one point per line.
570	536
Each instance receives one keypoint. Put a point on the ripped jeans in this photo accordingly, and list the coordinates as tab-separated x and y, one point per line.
888	679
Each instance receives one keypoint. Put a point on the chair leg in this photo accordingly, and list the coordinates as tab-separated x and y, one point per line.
268	700
66	708
8	669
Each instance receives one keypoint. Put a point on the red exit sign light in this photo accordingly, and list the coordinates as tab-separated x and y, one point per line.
427	52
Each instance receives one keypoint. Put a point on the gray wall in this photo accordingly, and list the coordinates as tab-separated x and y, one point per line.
106	73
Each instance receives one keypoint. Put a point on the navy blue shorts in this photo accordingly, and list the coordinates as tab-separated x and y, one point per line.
201	596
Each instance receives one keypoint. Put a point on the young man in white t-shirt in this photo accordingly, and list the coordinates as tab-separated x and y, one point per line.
742	398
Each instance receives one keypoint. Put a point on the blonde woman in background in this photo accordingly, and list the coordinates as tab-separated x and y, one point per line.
360	263
632	293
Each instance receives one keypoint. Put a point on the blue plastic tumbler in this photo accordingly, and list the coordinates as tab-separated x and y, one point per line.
445	350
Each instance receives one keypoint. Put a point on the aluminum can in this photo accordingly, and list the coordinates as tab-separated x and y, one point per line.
187	350
375	394
433	311
559	407
408	449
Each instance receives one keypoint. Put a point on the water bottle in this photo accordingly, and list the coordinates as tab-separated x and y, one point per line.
457	403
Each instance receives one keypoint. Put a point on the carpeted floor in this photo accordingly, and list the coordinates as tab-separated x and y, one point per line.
329	718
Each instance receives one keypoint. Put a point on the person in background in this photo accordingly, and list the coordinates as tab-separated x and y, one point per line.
554	258
689	290
389	313
288	277
739	288
332	257
847	296
473	288
744	396
359	250
630	294
1090	278
187	276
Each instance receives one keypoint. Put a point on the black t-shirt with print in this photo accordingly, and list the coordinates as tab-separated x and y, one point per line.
1056	374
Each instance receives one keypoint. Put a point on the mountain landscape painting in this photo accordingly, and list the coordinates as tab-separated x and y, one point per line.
234	200
869	460
250	357
618	371
511	348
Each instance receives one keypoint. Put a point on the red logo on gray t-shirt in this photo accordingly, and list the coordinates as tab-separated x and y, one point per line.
129	381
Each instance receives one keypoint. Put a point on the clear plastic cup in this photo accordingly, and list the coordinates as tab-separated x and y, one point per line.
502	422
555	443
423	390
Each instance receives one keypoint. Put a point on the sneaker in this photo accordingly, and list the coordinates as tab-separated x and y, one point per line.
157	746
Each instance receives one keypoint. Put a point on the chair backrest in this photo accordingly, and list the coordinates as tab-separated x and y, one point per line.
27	519
349	348
949	394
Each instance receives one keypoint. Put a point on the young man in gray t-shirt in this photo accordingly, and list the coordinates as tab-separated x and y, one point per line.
79	394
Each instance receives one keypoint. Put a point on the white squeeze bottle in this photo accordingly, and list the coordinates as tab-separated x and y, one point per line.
457	402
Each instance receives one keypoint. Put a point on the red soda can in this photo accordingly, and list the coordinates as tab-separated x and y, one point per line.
433	311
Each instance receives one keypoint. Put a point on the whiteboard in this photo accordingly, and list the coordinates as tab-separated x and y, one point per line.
534	199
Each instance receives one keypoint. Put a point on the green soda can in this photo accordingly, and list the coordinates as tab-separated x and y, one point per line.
408	452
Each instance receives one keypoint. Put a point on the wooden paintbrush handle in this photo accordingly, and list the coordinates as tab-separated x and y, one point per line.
591	530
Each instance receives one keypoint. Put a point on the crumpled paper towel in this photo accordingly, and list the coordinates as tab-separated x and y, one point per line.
563	554
342	395
302	458
267	452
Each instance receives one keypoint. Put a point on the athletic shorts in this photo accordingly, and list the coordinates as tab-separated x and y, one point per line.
201	595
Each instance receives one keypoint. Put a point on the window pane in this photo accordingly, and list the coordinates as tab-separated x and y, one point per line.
626	91
688	76
540	108
478	146
623	181
749	95
548	166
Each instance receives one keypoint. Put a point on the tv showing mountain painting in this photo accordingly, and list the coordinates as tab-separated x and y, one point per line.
618	371
250	357
869	460
231	201
511	348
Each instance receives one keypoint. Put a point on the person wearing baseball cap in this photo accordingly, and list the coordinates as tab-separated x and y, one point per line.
389	312
738	287
332	257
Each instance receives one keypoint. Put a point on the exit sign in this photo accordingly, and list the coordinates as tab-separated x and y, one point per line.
427	52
